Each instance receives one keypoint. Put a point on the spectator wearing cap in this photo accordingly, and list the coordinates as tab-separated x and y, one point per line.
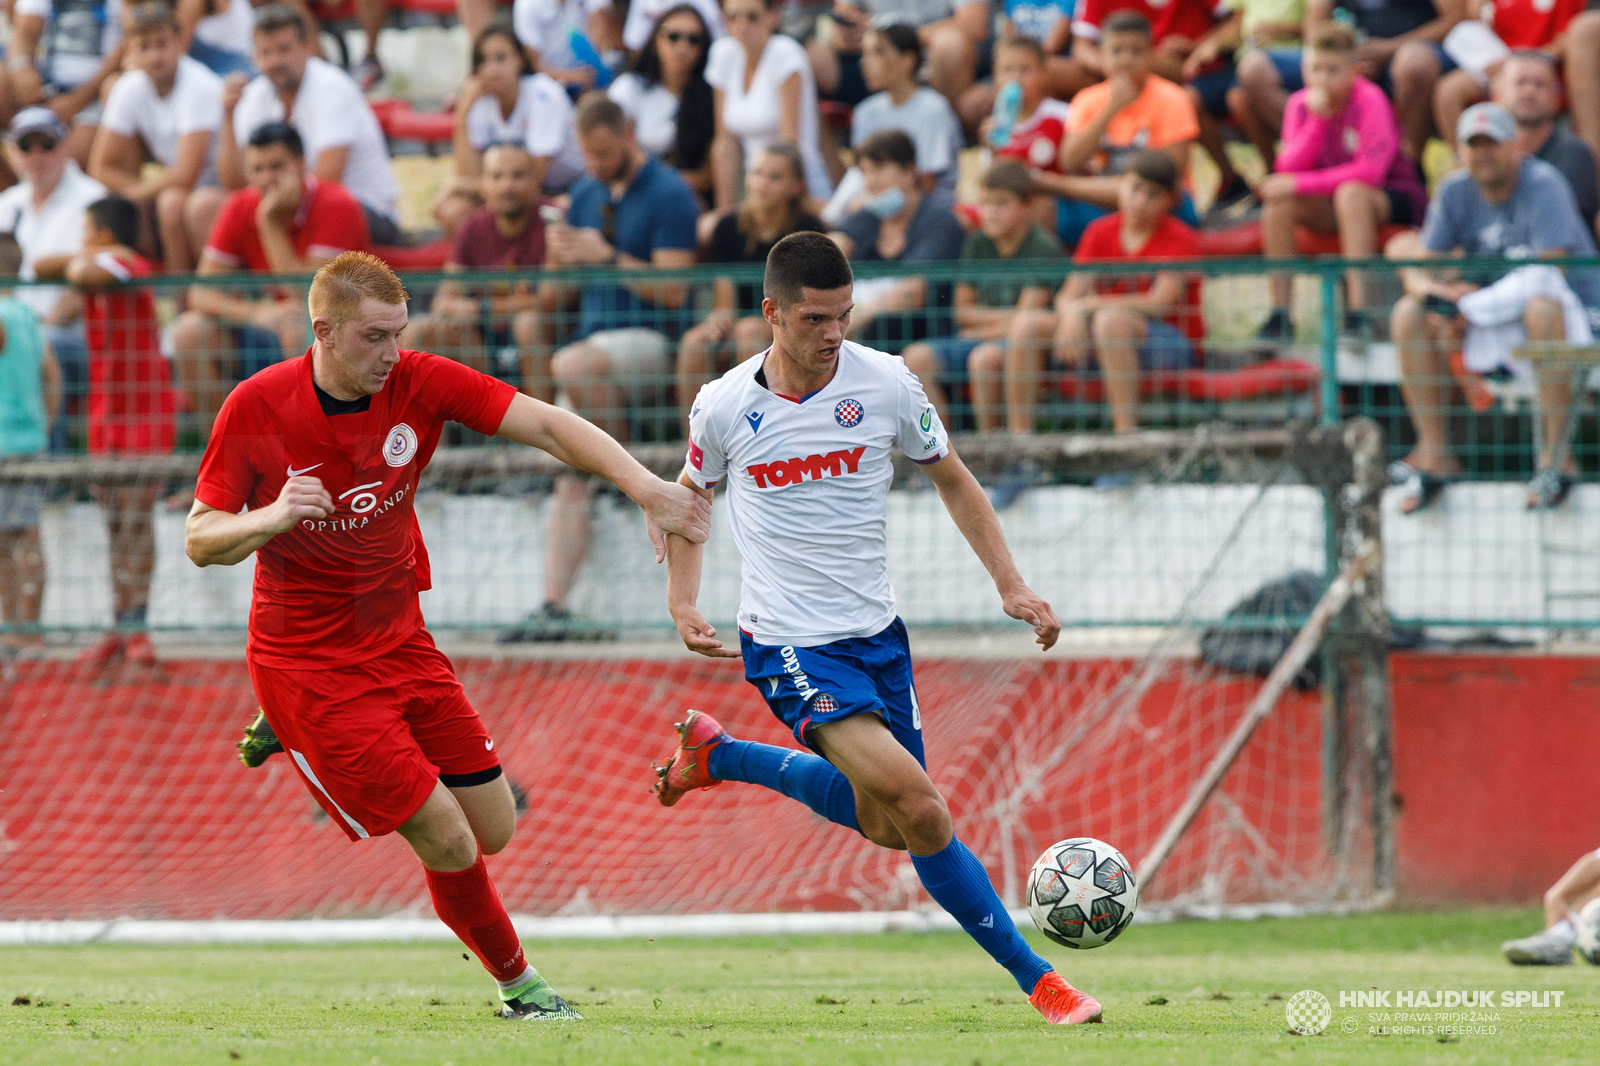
1528	86
82	47
1504	204
506	102
1402	52
167	107
285	221
44	212
343	142
497	330
634	212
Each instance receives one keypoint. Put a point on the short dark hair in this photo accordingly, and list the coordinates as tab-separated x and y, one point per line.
1155	167
804	260
903	38
120	216
1126	22
596	111
889	146
275	17
1010	176
278	133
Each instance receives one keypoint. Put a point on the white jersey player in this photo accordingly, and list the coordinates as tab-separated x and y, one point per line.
804	434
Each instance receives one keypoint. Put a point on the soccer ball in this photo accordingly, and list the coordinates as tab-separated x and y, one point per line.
1081	893
1589	932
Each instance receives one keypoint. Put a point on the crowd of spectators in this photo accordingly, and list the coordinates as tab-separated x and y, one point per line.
219	137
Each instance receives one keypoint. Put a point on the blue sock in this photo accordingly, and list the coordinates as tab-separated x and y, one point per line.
958	882
797	774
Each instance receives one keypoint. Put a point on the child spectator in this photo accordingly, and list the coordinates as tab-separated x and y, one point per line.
774	207
890	59
1519	25
1050	23
667	97
130	410
1116	325
1036	138
506	101
1402	52
896	224
1131	110
764	92
30	399
1340	170
984	311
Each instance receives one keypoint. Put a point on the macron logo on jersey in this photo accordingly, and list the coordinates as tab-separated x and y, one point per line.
754	418
793	471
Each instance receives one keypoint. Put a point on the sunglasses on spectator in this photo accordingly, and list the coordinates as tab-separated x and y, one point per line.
29	141
674	37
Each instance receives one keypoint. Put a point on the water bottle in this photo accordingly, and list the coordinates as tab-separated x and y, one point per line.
585	53
1007	102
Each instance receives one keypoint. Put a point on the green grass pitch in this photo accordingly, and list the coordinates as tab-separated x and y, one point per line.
1189	993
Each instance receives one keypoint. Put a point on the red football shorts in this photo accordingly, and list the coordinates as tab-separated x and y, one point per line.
371	740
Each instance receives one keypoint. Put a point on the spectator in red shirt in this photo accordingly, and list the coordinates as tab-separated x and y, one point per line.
1118	326
284	221
498	330
130	410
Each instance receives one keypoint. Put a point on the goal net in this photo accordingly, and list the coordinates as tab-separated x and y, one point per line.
120	796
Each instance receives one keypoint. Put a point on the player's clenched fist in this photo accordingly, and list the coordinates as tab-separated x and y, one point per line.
301	498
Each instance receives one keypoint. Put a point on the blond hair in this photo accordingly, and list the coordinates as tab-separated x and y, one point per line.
347	279
1333	36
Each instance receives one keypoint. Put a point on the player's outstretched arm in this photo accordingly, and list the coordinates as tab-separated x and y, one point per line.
668	508
217	538
967	503
684	561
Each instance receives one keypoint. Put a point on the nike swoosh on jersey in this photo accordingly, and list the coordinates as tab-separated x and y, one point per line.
296	473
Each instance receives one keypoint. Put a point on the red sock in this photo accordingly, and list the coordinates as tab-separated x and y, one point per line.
467	902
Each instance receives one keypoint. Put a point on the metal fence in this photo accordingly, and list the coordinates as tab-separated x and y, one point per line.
1120	544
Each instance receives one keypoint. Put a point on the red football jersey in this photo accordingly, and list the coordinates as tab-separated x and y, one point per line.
1037	142
328	221
340	590
1192	19
1102	240
131	405
1532	23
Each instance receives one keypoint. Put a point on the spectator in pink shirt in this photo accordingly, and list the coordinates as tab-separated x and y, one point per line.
1340	170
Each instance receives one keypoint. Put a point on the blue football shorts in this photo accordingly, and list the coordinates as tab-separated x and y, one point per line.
807	687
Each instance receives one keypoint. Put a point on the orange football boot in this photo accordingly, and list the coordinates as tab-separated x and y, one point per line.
1061	1004
689	765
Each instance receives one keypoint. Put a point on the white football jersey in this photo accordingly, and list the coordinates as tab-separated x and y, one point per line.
809	488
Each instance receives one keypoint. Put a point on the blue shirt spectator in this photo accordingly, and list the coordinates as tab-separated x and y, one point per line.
657	211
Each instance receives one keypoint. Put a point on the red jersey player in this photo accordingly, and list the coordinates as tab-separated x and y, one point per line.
130	410
313	466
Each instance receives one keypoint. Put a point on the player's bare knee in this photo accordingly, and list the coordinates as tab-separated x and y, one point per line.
922	815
